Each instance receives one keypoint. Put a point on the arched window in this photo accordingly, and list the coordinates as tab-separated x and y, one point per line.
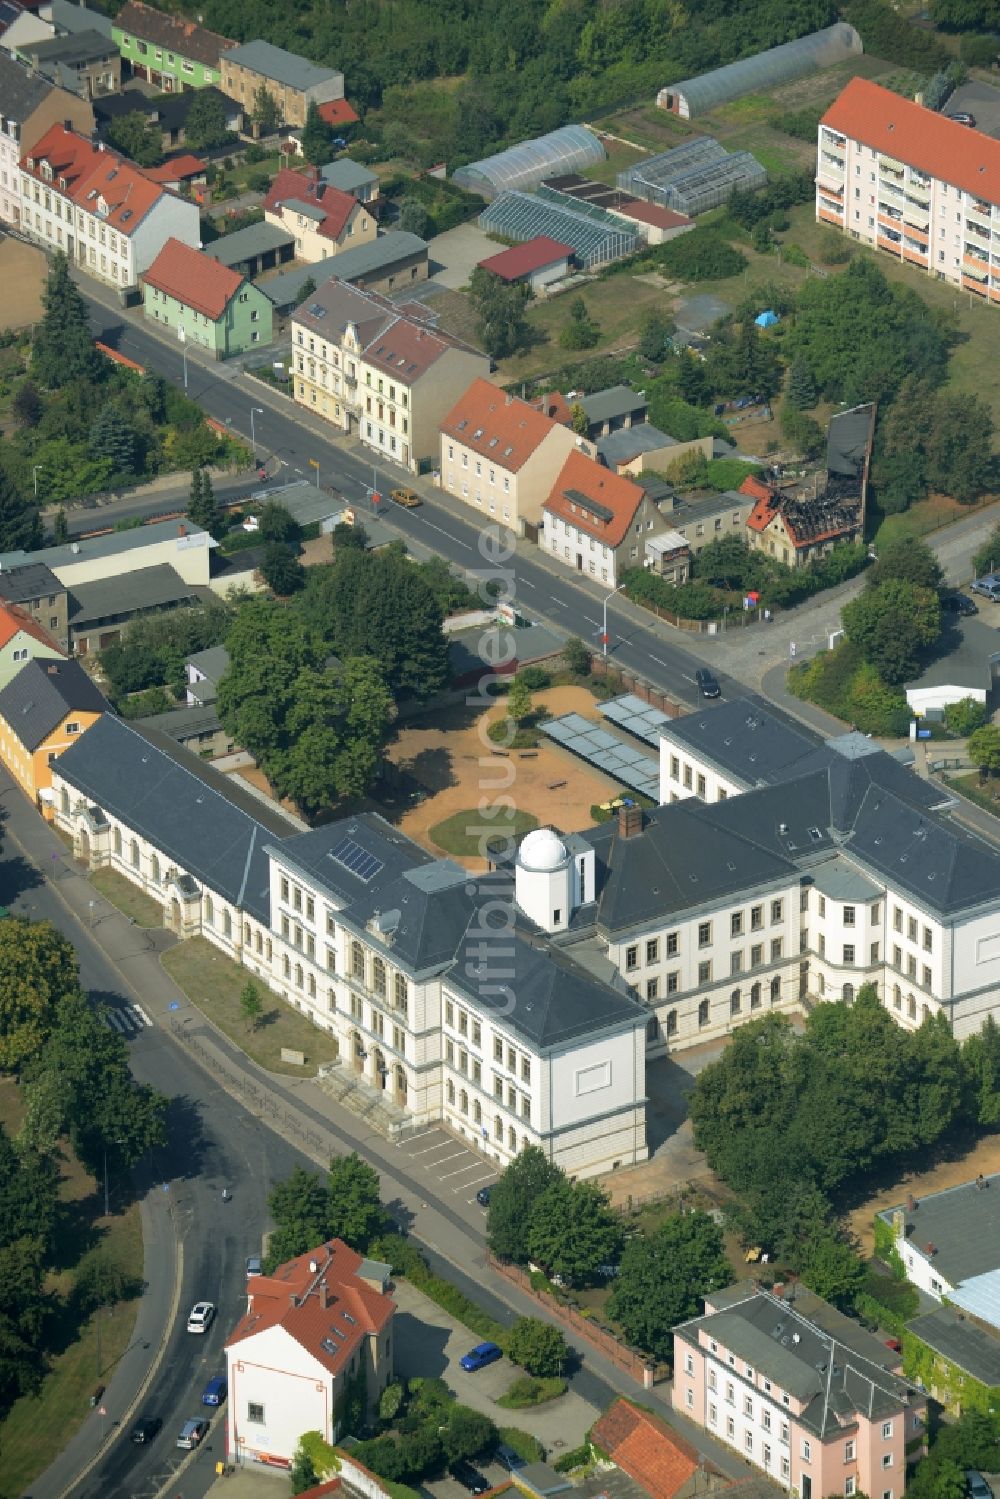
734	1002
755	996
451	1091
897	997
134	853
246	934
154	869
498	1128
312	987
400	994
378	977
671	1022
298	975
227	924
477	1111
820	984
357	961
209	912
117	842
286	967
463	1101
703	1012
911	1007
847	994
925	1013
512	1138
268	946
775	989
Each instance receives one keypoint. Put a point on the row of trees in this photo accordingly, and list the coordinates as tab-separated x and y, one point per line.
75	1083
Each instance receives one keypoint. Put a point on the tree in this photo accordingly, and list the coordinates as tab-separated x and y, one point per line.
512	1200
692	378
302	1473
63	349
20	522
316	137
831	1266
576	657
890	624
965	716
519	705
655	336
663	1278
801	392
356	1212
467	1433
138	138
38	968
988	556
251	1005
265	113
307	289
981	1063
278	524
499	308
537	1346
112	438
203	508
959	447
300	1206
60	527
27	404
580	332
281	569
413	217
908	558
983	749
102	1280
579	420
205	125
572	1231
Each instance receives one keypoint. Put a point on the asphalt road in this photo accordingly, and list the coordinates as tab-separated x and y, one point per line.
440	526
167	500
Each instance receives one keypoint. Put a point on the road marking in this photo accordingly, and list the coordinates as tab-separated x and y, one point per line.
527	583
438	1145
114	1022
421	1136
461	1170
442	532
657	659
140	1012
445	1159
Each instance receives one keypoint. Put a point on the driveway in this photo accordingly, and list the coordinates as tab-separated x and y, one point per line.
430	1343
455	254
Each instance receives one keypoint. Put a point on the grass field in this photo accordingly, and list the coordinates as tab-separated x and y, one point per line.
462	831
617	305
213	983
39	1426
143	910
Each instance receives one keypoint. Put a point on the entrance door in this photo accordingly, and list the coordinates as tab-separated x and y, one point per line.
807	1486
579	563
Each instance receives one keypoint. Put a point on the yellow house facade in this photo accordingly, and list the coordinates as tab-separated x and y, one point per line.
43	711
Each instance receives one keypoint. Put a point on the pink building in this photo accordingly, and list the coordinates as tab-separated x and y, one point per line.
801	1392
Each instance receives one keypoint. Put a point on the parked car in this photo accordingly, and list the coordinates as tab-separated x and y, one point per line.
511	1460
192	1433
408	498
483	1197
962	117
976	1486
215	1390
480	1356
145	1429
470	1478
200	1316
989	587
707	683
255	1265
959	603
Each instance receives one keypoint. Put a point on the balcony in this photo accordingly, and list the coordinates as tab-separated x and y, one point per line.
829	215
834	166
892	245
919	187
891	165
975	265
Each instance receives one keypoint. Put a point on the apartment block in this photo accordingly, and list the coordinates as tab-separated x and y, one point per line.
29	106
171	53
914	184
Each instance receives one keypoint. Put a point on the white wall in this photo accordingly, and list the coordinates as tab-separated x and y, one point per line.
170	217
922	698
273	1370
683	773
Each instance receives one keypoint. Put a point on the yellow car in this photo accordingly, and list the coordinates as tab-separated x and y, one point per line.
408	498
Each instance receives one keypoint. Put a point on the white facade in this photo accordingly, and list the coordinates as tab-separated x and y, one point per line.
277	1390
577	548
10	169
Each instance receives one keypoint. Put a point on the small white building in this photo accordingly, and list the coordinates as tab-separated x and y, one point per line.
949	1245
311	1328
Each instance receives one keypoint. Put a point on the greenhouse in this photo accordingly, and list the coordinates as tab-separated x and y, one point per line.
763	72
523	166
596	237
694	177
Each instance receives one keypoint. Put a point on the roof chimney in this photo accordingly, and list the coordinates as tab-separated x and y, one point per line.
509	399
67	124
324	1295
629	820
182	529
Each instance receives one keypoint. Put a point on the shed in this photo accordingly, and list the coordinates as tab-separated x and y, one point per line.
538	262
541	1480
762	72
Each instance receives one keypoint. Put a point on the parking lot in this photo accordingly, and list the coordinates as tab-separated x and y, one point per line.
453	1166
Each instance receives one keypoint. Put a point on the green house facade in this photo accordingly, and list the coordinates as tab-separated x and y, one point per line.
205	303
171	53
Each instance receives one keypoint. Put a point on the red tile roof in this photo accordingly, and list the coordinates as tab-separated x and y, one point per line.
308	187
647	1449
337	112
320	1301
556	406
499	426
14	620
917	136
652	213
521	260
583	484
756	488
192	278
177	169
91	176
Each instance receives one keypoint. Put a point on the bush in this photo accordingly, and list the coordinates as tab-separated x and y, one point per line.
523	1443
526	1392
964	717
322	1456
577	1457
406	1260
534	678
701	255
792	255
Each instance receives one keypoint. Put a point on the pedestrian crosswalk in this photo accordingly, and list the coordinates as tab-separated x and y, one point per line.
128	1020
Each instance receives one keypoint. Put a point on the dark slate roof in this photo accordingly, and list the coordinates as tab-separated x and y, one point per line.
34	580
68	16
849	440
128	593
192	813
41	695
169	110
963	1224
811	1365
617	400
312	853
74	49
745	739
187	722
242	244
964	1344
20	91
289	68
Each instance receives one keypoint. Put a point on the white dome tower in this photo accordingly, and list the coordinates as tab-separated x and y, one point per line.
543	880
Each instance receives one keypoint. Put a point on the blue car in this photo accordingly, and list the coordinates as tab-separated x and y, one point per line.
215	1391
485	1353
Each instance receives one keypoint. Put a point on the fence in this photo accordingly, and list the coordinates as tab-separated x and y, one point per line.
641	1369
600	666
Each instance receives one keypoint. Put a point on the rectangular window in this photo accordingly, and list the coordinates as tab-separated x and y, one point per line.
897	919
730	1395
756	918
849	1485
848	954
928	940
653	950
849	912
849	1452
777	910
705	934
705	977
631	958
765	1419
886	1431
736	924
748	1406
255	1413
911	928
672	946
806	1451
887	1459
730	1427
748	1441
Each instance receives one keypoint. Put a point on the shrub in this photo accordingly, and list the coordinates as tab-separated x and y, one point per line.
792	255
534	678
406	1260
964	717
701	255
320	1453
526	1392
523	1443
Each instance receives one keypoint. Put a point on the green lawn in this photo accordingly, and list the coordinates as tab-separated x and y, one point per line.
461	833
131	901
926	515
618	306
40	1426
213	983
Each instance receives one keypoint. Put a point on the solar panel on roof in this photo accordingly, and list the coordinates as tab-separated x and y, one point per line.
356	860
620	762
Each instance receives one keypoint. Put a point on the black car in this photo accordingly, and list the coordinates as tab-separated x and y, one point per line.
470	1478
962	117
145	1429
707	684
483	1197
959	603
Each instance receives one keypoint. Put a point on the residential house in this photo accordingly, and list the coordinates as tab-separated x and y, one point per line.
956	1358
22	639
536	263
206	303
648	1450
166	50
384	947
86	63
29	106
185	172
323	219
167	111
501	456
20	26
386	264
312	1328
913	183
612	410
948	1244
801	523
293	82
708	515
380	370
204	671
348	177
44	709
33	585
819	1412
100	610
597	522
197	730
100	209
643	448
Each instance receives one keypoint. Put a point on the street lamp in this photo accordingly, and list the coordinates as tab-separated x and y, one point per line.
34	476
259	411
604	629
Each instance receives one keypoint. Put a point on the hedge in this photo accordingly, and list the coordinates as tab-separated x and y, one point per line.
523	1443
576	1458
406	1259
526	1391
